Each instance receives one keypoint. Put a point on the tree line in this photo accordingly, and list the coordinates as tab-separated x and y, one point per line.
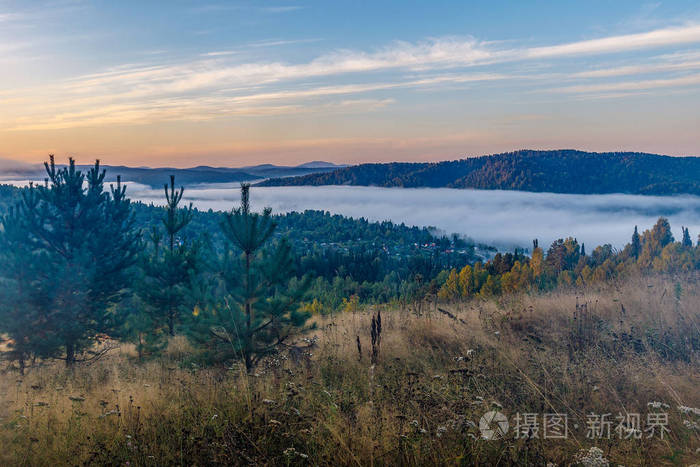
80	263
75	269
566	263
527	170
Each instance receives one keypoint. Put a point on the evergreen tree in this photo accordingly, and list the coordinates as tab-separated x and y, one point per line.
83	242
260	307
686	242
636	245
23	312
167	269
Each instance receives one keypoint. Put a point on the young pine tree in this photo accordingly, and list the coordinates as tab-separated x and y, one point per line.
167	268
260	306
23	311
78	244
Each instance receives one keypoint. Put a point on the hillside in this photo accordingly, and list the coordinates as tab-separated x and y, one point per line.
156	176
560	171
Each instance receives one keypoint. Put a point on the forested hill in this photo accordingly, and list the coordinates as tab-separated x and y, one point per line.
560	171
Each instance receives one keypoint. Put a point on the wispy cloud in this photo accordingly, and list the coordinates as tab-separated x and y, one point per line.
214	84
688	34
637	85
220	53
282	9
638	69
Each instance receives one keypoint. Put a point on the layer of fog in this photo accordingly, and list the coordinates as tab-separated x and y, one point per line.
501	218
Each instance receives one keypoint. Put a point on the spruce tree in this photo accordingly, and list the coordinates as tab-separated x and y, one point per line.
81	242
686	242
636	245
260	304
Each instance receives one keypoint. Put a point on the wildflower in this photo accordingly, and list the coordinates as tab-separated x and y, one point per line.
291	452
691	425
592	457
268	401
688	410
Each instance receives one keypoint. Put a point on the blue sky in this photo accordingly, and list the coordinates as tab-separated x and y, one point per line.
233	83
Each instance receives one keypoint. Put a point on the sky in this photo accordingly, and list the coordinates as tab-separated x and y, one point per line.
184	83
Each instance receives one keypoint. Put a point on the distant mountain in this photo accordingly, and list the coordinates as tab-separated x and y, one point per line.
320	165
158	176
559	171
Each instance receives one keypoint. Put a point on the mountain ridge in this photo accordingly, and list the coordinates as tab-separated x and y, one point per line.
158	176
557	171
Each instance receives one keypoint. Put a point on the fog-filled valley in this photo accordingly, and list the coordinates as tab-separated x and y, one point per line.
340	233
501	218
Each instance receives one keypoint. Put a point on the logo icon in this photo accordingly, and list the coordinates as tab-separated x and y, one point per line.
493	425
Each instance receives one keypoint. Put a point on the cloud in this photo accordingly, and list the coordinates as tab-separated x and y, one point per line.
281	9
219	84
638	69
220	53
690	80
658	38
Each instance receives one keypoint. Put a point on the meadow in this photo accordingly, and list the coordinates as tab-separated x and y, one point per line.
409	391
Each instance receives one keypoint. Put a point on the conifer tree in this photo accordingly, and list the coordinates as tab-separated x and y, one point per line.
261	304
168	268
636	245
686	242
82	240
22	314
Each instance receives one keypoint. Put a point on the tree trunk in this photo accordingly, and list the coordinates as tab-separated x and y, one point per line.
70	355
248	348
21	366
171	321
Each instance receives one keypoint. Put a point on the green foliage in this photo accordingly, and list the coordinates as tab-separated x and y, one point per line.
169	269
577	172
259	307
82	242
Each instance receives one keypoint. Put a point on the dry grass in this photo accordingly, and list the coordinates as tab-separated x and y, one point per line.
437	375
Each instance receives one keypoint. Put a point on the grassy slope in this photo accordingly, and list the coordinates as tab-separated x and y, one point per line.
418	405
